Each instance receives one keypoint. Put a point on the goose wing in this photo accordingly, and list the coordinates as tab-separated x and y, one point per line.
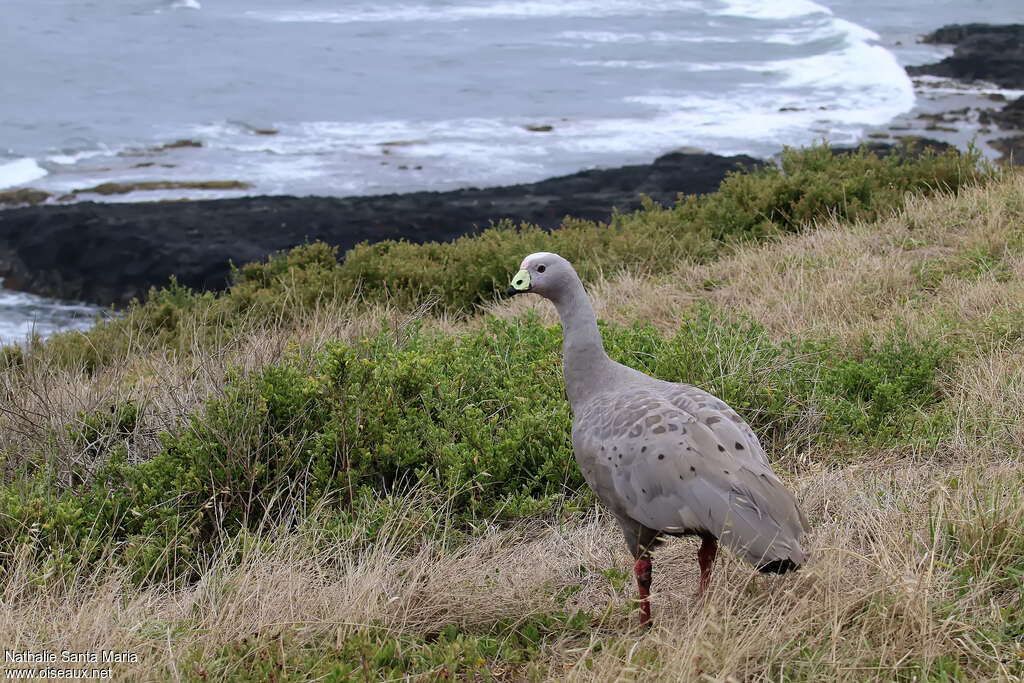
679	460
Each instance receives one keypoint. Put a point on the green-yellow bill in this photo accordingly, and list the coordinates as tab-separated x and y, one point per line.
520	283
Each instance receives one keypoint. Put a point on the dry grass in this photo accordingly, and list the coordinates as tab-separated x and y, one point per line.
884	596
879	598
935	261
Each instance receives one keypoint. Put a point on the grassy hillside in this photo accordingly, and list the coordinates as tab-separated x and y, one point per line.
304	476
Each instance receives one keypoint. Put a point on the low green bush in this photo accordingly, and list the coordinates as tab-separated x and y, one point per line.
814	183
875	394
479	419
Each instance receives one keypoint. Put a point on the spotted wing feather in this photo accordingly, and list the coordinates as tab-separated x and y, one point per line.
678	460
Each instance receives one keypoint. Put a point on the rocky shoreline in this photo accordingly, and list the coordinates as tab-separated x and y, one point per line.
991	54
982	52
109	253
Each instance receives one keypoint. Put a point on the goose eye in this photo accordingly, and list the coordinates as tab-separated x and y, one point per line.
540	269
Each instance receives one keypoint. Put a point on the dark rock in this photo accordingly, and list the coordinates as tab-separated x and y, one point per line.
954	34
911	145
178	144
1011	148
401	143
109	253
945	117
983	52
1010	117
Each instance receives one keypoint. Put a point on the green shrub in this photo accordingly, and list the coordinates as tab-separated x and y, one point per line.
475	269
287	281
880	388
11	356
814	183
480	420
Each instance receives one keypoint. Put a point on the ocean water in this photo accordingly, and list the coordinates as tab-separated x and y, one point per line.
23	315
357	97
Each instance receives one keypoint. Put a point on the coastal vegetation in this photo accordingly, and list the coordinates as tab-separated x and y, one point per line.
458	277
362	469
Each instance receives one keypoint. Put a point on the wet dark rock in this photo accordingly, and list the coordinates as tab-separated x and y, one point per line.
951	116
1010	117
110	253
401	143
911	145
178	144
984	52
1012	149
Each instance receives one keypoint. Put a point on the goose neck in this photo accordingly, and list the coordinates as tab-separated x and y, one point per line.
585	364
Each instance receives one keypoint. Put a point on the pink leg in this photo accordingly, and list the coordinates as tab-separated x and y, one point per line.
643	584
706	558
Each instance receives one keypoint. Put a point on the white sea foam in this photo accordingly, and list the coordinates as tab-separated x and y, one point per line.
70	158
358	158
645	65
822	28
641	38
860	86
602	37
860	68
177	5
939	84
771	9
853	31
23	314
19	172
767	118
527	9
